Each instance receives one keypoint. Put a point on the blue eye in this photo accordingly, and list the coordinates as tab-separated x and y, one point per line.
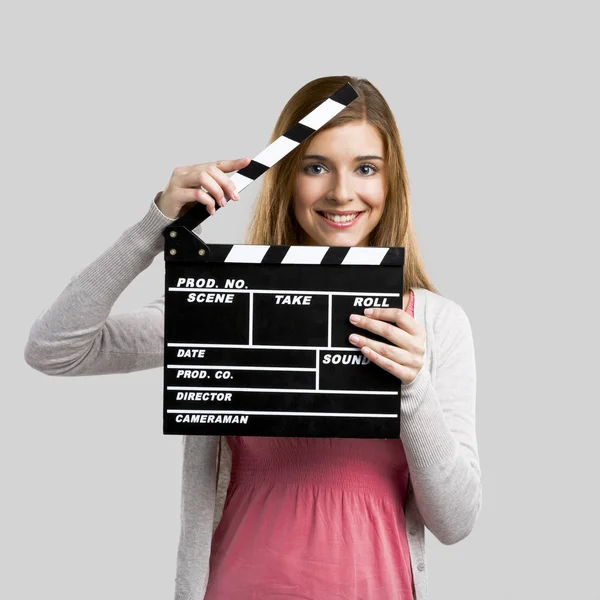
318	166
369	167
311	166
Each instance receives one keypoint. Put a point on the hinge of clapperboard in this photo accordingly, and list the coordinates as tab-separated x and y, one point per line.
183	245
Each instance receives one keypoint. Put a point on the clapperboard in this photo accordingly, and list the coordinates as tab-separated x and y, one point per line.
256	337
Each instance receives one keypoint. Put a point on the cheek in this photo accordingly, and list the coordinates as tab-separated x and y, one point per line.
377	202
381	195
304	198
376	199
299	208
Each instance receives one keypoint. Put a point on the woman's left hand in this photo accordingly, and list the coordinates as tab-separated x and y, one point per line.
403	358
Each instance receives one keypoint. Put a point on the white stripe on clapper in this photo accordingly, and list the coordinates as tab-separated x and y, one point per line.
250	253
323	113
277	150
365	256
241	181
305	255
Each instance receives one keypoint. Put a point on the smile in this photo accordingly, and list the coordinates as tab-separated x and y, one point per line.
340	221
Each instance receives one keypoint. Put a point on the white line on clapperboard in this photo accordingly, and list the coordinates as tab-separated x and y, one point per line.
281	413
288	292
286	390
329	321
237	368
259	347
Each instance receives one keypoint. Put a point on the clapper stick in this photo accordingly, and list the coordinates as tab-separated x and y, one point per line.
256	336
275	151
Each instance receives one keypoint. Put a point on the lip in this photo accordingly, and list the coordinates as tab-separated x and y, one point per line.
339	212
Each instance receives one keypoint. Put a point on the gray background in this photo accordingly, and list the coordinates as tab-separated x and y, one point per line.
497	106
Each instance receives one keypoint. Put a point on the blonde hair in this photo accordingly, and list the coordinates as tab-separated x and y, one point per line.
273	220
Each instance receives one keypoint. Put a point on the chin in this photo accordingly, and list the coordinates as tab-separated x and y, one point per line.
338	240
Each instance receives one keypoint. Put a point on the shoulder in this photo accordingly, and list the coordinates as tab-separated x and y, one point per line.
440	308
444	317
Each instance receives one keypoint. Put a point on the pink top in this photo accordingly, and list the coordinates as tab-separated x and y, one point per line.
313	518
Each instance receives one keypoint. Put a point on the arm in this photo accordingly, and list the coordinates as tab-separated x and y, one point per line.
438	434
76	335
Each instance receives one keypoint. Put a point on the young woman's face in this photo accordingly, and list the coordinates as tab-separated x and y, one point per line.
341	186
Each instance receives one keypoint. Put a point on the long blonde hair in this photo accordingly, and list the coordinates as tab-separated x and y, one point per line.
273	220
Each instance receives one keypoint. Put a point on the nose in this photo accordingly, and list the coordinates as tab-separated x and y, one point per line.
342	190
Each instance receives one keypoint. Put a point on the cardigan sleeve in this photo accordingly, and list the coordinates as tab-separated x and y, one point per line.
198	492
77	335
437	425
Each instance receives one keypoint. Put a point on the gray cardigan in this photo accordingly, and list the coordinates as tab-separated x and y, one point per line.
77	335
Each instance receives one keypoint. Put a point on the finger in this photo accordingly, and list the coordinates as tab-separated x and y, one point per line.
394	315
199	178
394	353
188	176
236	164
232	165
179	172
391	366
207	183
226	184
393	333
203	198
189	195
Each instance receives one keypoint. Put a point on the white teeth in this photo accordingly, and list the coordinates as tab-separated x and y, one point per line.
340	218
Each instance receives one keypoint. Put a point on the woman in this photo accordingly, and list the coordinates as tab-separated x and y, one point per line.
304	518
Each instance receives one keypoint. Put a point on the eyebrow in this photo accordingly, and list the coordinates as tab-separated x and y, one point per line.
321	157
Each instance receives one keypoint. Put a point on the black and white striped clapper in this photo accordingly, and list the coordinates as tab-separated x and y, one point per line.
256	338
282	146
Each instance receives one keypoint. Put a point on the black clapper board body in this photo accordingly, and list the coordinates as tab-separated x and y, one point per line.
256	340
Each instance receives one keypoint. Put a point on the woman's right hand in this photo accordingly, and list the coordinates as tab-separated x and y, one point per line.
184	187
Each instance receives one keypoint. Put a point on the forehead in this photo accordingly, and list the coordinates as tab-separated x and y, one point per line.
351	138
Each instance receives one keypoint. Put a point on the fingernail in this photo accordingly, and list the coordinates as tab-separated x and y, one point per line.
354	318
354	338
368	311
